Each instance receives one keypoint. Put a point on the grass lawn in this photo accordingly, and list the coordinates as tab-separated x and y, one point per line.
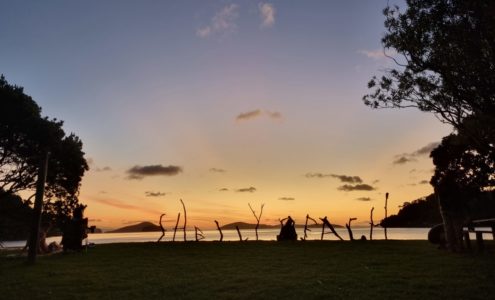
253	270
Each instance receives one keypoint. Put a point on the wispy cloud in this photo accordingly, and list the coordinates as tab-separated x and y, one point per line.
139	172
363	199
247	190
424	182
121	205
217	170
104	169
411	157
223	190
426	150
275	115
377	54
267	14
403	159
356	187
224	22
287	198
254	114
154	194
248	115
342	178
93	167
374	54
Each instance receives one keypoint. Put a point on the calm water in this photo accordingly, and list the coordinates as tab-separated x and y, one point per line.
231	235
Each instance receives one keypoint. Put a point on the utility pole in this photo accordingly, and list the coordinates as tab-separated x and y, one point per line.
38	207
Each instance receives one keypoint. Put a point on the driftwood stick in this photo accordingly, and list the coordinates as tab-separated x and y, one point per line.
162	228
385	227
372	223
220	230
306	226
199	234
257	217
185	219
175	228
348	226
329	225
322	229
239	233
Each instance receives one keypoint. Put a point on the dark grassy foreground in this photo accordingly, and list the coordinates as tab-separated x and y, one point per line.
253	270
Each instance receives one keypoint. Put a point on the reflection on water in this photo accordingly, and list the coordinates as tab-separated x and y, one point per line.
231	235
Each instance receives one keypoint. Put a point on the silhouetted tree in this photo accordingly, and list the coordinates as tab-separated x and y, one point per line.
463	171
25	137
445	60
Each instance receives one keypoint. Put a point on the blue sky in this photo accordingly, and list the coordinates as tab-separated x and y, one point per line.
265	91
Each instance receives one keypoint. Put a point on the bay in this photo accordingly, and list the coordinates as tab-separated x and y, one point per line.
231	235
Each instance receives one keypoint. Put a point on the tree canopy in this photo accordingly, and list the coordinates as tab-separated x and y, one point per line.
25	136
444	54
445	64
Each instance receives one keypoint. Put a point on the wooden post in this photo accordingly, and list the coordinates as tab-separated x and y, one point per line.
162	228
348	226
385	227
220	230
371	224
185	220
175	229
258	218
38	208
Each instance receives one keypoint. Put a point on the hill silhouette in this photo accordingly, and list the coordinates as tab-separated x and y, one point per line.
140	227
243	225
425	212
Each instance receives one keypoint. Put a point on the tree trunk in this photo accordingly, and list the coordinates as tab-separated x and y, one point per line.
453	221
38	208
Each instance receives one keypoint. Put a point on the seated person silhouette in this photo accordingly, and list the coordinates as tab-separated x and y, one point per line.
75	230
288	231
43	247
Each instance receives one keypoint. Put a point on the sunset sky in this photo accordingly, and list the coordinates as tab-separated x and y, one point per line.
221	104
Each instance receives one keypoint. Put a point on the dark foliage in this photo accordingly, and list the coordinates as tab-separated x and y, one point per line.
422	212
25	136
445	59
15	215
445	64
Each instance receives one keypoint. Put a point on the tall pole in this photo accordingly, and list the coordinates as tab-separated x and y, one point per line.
385	227
38	207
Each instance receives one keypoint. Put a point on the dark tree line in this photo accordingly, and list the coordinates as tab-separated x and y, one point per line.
445	64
